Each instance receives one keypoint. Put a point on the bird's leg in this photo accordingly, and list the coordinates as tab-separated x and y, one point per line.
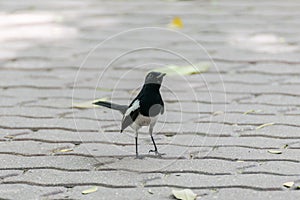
155	147
136	147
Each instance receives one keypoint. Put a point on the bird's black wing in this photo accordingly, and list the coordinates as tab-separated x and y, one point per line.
131	114
129	119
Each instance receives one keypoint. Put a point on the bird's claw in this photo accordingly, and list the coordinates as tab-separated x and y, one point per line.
156	152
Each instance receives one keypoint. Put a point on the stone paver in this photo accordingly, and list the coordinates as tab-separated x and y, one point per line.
213	133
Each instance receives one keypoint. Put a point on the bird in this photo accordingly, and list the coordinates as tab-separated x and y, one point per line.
144	109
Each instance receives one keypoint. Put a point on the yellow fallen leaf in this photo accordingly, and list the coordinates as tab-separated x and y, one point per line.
214	190
185	194
90	190
65	150
62	149
176	23
218	113
275	151
264	125
172	70
88	104
288	184
9	136
104	89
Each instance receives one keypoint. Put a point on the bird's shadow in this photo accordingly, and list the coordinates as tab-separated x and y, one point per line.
143	156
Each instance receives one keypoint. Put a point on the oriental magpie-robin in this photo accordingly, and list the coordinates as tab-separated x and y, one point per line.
144	109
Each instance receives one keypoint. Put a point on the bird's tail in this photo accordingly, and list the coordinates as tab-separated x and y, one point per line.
121	108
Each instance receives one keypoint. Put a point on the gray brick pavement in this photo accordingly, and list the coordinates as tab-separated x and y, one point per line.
211	145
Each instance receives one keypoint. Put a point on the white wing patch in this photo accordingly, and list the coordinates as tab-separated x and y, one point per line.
133	107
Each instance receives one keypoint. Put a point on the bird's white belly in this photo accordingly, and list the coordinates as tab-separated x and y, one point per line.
142	120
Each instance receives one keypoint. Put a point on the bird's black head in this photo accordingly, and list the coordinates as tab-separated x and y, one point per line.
154	78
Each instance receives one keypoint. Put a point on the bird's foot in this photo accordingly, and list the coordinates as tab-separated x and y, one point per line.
157	153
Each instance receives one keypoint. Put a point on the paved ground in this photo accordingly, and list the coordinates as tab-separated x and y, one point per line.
50	151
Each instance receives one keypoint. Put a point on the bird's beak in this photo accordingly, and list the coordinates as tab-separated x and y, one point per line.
161	75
